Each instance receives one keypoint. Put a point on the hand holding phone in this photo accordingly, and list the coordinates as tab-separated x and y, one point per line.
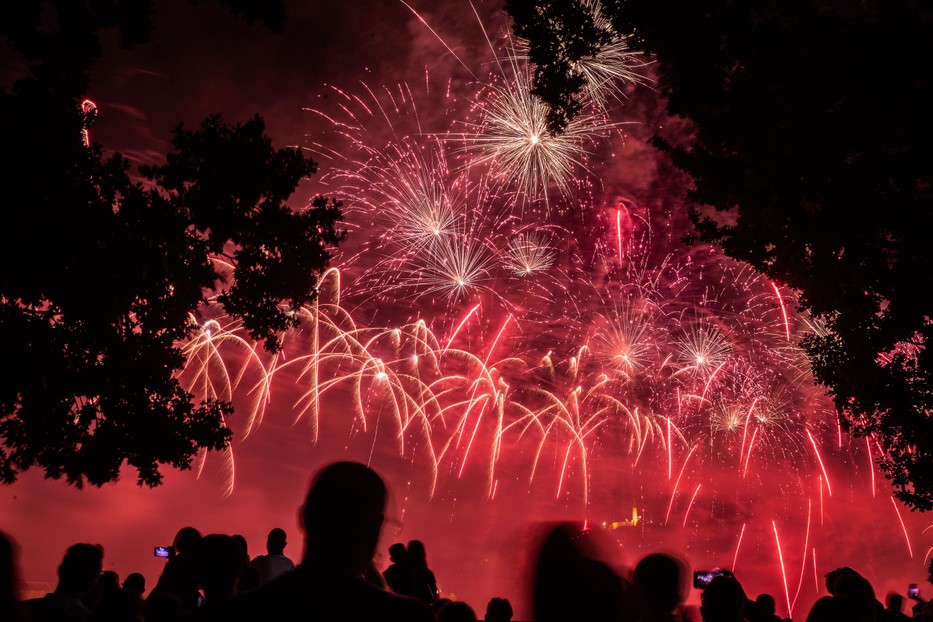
162	551
913	591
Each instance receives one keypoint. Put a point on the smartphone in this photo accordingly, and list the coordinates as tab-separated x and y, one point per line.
162	551
702	578
913	591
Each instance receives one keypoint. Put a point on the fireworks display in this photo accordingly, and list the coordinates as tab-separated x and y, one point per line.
515	331
500	315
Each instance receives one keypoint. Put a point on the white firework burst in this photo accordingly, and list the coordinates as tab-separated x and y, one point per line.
529	253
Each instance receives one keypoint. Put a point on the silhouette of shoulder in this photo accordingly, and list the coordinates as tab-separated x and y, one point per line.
307	595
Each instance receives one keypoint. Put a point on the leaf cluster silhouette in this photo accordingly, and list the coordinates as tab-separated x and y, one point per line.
810	131
105	269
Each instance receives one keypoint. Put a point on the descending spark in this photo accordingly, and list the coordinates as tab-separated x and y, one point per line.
777	293
690	505
816	450
900	519
803	558
777	540
737	546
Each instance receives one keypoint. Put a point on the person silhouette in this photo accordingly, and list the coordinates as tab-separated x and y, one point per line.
342	518
658	589
249	576
77	575
10	608
398	575
723	600
178	575
274	562
423	583
568	585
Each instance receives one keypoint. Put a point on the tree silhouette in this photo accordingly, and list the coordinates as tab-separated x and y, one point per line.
102	272
809	157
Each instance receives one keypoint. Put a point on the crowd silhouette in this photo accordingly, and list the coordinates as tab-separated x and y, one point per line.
212	578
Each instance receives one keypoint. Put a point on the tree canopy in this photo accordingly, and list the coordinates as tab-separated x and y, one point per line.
808	154
105	270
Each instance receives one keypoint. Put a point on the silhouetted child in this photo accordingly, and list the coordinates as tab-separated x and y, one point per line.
398	575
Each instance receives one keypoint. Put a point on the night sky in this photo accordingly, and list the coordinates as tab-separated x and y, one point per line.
317	85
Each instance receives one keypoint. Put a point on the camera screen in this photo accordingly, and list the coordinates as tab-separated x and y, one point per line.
161	551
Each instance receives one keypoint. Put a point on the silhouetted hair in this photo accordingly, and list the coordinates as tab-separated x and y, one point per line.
135	583
895	602
417	554
275	542
397	552
80	567
343	514
833	575
570	586
218	561
723	600
766	604
659	580
186	540
498	610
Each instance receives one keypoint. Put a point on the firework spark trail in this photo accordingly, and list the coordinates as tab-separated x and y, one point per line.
690	505
777	541
816	450
737	546
803	558
900	519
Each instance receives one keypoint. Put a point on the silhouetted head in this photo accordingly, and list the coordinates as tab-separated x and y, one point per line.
417	555
894	602
570	586
275	543
659	580
135	583
186	540
766	604
80	569
498	610
856	587
833	575
397	552
218	561
241	545
723	600
342	517
456	611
